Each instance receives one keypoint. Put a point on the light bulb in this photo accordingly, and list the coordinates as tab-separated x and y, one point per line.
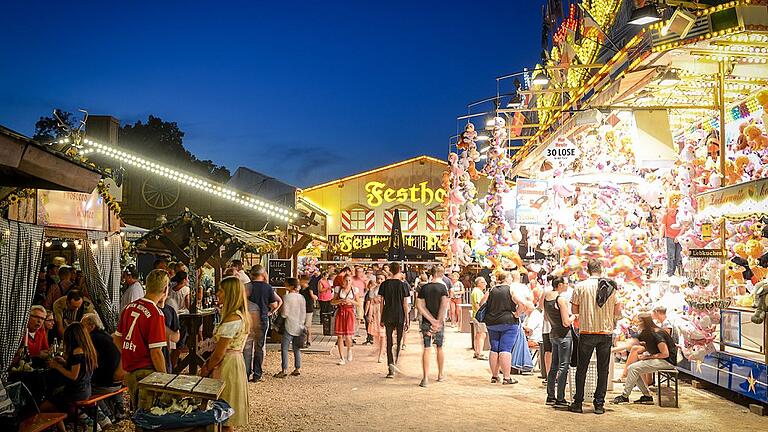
64	244
48	243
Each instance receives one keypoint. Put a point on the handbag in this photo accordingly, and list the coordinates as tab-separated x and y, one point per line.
481	312
574	348
278	323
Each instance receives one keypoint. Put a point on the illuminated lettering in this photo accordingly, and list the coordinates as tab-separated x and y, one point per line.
378	193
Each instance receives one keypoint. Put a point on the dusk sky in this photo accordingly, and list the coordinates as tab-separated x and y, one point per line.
302	91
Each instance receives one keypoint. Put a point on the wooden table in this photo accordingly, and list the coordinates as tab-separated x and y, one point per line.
206	389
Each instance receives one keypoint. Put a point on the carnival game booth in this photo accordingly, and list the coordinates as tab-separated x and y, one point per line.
195	241
736	356
635	145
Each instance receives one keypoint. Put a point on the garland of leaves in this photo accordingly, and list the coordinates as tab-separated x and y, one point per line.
109	200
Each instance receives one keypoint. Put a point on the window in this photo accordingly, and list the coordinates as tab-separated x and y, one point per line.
407	219
357	219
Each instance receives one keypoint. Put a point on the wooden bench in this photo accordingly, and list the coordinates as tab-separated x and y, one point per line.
667	376
93	403
41	422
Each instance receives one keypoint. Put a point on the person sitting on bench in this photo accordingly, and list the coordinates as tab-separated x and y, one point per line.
108	375
660	353
73	371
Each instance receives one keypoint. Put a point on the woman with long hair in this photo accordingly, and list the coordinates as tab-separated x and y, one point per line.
558	312
373	312
346	298
502	320
73	371
226	362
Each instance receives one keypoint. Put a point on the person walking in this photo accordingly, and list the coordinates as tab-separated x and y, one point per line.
394	311
325	293
659	353
267	301
457	298
503	323
294	312
373	314
432	304
226	361
309	299
558	313
478	292
594	301
346	299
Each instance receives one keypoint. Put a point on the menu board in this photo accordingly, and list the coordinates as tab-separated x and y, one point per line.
279	270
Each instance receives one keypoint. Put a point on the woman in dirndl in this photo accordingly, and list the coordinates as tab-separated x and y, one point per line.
226	362
346	299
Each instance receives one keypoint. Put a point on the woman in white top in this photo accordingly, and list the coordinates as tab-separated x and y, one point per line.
294	310
178	294
226	362
346	300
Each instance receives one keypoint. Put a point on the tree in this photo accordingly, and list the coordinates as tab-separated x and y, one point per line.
49	128
164	141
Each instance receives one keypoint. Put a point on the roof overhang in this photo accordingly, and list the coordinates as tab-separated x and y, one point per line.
26	164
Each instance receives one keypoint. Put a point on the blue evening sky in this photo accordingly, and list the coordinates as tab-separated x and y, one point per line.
302	91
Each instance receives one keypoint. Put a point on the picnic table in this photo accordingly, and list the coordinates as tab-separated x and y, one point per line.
206	389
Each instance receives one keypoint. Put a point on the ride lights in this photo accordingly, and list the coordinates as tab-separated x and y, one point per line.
190	180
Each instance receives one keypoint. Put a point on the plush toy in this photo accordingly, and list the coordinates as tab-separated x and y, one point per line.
734	273
756	138
761	301
754	250
742	143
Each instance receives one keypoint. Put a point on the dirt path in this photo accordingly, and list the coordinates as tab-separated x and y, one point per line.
328	397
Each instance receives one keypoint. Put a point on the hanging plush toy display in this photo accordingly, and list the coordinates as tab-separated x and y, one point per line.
496	168
462	208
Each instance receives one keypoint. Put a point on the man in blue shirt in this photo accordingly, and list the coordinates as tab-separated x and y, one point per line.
261	295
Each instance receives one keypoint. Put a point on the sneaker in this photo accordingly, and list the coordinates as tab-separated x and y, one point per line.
341	362
645	400
620	399
295	372
256	379
575	408
280	374
349	356
391	372
550	401
563	404
599	409
423	383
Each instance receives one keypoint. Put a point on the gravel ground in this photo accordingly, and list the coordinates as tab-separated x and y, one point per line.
327	397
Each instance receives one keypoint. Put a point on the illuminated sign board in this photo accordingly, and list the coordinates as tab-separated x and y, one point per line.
378	193
348	243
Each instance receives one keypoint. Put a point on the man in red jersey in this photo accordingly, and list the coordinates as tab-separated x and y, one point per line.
140	334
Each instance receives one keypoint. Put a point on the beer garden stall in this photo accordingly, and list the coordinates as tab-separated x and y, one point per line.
48	200
194	241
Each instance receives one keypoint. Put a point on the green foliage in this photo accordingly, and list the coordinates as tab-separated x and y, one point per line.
47	128
163	141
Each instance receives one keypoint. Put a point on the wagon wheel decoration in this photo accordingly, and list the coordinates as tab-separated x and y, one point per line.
160	193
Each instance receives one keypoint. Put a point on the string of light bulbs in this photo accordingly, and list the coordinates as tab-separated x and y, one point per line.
90	146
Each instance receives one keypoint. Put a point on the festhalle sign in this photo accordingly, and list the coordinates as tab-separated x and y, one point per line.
562	152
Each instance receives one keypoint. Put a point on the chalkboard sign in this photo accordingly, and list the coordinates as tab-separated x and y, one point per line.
279	270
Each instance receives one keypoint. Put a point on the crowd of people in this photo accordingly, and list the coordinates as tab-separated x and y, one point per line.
519	313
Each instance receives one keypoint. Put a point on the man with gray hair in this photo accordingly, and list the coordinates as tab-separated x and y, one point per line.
263	295
36	336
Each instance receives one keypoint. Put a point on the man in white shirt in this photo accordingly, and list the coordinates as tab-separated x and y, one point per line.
133	289
237	266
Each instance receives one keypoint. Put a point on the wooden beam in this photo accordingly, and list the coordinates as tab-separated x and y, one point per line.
300	244
209	251
175	249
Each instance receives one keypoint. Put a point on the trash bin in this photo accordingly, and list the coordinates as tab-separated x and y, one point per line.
326	319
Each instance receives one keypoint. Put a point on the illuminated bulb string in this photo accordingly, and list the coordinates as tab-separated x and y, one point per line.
190	180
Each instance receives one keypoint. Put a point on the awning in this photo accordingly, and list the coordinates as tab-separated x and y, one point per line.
26	164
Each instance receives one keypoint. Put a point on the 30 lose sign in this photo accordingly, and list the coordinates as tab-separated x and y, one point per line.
561	152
